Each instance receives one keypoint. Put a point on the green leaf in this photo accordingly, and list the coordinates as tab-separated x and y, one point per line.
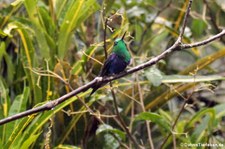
220	110
10	67
2	51
190	79
47	22
17	2
151	2
109	4
200	130
41	119
110	142
16	137
18	105
61	8
153	117
31	9
30	141
64	146
154	76
4	107
158	39
29	59
1	144
88	52
198	115
48	29
2	34
77	67
198	27
77	13
108	128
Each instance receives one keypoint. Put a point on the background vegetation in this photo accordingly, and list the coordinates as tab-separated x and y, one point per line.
49	48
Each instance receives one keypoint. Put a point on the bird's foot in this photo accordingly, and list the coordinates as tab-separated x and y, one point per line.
125	71
99	79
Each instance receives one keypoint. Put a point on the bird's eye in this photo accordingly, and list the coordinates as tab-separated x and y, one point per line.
115	43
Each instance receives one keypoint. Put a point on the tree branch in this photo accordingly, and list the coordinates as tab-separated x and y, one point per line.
177	45
185	21
51	104
204	42
213	19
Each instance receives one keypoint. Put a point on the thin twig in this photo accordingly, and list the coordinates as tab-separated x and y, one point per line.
147	123
121	120
177	118
105	46
204	42
97	116
213	19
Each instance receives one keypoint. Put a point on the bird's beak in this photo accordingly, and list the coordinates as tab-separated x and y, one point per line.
123	35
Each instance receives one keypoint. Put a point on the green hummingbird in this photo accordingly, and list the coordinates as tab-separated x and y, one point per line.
117	61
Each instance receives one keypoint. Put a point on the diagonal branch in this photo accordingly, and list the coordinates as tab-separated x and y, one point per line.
177	45
51	104
204	42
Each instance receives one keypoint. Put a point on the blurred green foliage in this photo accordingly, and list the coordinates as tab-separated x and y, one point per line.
49	48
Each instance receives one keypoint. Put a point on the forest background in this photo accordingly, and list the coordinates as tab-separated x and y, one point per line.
52	50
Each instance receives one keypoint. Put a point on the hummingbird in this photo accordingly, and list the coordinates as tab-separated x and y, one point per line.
117	61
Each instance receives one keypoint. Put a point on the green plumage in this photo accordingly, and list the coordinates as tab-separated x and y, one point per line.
116	62
120	49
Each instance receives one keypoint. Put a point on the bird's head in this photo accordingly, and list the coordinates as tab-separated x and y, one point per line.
120	48
119	42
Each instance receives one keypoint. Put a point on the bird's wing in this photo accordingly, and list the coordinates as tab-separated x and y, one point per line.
106	66
104	71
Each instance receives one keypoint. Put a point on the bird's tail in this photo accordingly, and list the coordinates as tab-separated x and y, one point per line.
94	89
